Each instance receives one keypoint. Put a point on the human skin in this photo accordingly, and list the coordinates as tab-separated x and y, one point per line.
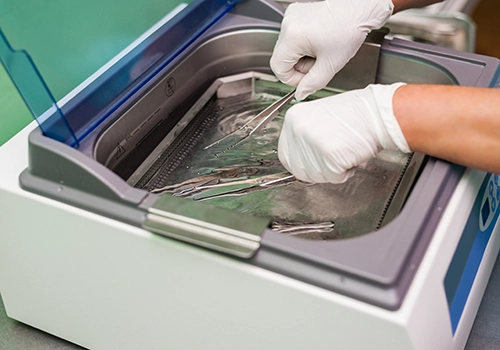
400	5
456	123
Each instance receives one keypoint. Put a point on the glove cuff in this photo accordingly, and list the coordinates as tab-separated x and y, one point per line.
383	95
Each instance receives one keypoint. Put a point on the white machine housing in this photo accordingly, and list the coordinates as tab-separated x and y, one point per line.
105	283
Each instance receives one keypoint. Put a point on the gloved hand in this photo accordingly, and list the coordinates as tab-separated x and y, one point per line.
317	39
324	140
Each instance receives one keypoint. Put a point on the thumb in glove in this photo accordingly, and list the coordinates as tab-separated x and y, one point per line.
317	39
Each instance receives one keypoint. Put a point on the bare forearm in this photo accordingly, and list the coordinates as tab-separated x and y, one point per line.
459	124
400	5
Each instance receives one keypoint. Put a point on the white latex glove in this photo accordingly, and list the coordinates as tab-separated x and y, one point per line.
324	140
317	39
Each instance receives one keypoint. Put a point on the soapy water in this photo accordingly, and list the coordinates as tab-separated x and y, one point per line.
245	175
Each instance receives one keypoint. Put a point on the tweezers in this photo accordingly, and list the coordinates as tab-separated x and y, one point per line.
260	120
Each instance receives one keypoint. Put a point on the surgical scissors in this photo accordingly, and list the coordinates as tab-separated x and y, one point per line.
260	120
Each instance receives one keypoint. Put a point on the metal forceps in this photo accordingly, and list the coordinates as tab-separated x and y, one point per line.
260	120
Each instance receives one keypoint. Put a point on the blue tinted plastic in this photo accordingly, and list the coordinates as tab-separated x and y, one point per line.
35	93
143	63
110	90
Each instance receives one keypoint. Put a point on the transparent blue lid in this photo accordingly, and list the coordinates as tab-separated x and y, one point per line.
33	89
58	57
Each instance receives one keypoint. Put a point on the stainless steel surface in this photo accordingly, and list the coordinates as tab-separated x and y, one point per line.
452	30
220	230
260	120
216	180
362	69
297	228
484	335
220	56
465	6
242	172
224	55
453	6
268	114
445	24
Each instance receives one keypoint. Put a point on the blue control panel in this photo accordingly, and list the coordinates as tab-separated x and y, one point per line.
496	80
470	250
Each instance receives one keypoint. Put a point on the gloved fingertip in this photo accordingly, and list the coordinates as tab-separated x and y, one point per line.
302	175
306	87
301	94
341	178
305	179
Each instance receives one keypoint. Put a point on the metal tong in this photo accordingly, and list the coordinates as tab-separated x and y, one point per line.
260	120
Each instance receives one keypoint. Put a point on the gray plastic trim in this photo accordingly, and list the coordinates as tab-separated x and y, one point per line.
267	10
463	68
66	166
83	200
376	268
